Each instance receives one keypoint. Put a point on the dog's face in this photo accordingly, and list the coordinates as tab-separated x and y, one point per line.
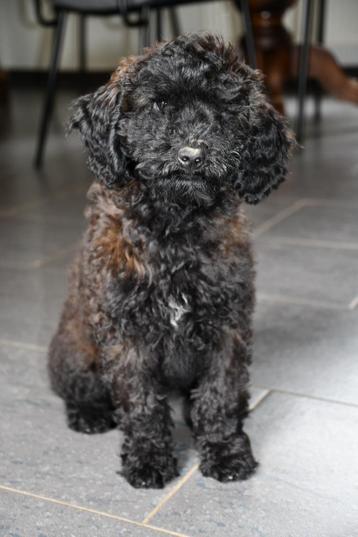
187	119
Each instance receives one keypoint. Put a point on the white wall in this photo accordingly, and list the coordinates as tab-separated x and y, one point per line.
342	29
26	45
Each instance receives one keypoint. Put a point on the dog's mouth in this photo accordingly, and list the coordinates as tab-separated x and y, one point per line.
190	183
172	182
200	178
194	181
194	188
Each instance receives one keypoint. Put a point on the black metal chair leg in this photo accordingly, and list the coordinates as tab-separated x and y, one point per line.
303	67
144	30
50	91
159	24
174	22
321	14
82	58
249	35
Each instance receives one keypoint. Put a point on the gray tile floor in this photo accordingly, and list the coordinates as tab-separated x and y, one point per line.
304	423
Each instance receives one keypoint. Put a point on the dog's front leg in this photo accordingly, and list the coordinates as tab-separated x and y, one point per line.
143	415
219	406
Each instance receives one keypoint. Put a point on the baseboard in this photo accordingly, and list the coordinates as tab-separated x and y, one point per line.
74	79
66	79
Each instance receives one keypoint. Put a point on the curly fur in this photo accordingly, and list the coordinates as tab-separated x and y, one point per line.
162	291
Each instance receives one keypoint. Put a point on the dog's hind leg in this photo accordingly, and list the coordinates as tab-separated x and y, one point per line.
74	376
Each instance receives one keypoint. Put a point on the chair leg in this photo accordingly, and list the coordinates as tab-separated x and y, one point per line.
50	92
174	22
321	15
82	59
249	35
159	24
303	67
144	30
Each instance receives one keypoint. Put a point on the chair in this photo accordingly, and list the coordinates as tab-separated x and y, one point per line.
140	9
304	61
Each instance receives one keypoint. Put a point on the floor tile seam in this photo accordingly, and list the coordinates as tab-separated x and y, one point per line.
353	305
296	300
192	471
294	207
37	218
279	217
326	202
171	494
42	261
332	134
22	345
17	210
302	395
55	256
313	243
89	510
261	399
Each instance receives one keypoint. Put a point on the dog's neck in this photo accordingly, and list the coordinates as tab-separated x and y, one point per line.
162	217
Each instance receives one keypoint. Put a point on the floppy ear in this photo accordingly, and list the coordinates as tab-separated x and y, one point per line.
263	153
96	116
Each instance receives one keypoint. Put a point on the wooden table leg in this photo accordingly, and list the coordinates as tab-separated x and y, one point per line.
277	56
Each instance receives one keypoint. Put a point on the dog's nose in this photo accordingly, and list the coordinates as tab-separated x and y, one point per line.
191	156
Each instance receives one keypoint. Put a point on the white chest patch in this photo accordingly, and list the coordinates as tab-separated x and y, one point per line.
177	310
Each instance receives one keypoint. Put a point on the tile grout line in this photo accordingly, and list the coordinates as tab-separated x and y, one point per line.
20	345
47	260
287	299
304	396
92	511
326	202
16	210
261	399
191	472
313	243
279	217
154	512
39	263
171	494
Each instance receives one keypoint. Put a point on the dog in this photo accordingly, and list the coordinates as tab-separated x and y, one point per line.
161	294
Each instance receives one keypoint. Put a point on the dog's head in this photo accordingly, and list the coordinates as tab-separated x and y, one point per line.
188	119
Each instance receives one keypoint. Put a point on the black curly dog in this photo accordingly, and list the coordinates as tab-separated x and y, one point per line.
161	294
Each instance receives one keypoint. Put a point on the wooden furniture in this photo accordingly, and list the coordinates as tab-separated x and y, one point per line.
280	59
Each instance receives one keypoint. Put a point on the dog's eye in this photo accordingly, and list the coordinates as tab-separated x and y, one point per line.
159	106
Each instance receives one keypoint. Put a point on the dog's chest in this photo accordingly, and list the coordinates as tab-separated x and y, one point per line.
186	296
184	324
178	309
181	309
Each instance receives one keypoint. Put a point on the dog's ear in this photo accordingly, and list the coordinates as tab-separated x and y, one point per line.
263	152
96	116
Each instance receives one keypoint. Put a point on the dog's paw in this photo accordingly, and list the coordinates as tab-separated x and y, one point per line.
229	467
151	475
89	419
229	462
